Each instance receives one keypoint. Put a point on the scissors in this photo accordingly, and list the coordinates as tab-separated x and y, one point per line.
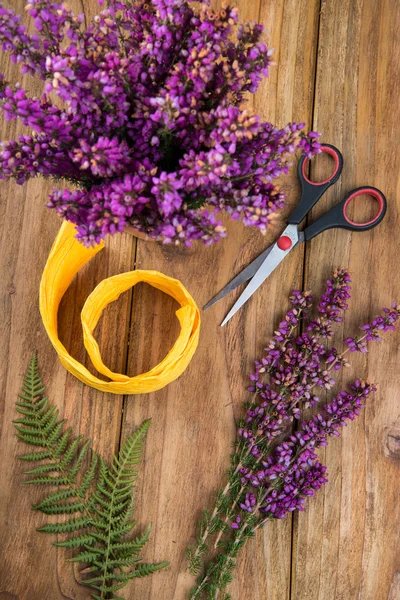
337	217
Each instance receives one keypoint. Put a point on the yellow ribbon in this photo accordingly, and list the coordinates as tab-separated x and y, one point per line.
66	257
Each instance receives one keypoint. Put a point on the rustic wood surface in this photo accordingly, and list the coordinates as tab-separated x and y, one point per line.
338	70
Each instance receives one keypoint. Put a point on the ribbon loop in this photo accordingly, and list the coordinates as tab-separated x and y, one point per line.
66	258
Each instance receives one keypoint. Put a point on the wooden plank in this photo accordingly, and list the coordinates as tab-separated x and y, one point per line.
186	457
194	418
346	543
30	567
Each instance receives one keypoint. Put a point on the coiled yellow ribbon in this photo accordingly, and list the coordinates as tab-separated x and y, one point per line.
66	257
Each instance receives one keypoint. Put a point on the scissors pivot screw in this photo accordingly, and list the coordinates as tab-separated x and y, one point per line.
284	242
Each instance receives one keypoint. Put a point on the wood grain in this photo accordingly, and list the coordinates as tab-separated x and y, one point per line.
346	544
337	70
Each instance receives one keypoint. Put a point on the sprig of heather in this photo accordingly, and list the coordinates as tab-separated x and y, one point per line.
295	365
153	125
293	375
211	522
384	322
290	476
273	468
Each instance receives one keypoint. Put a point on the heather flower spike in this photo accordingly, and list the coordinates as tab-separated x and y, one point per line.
153	125
275	466
385	322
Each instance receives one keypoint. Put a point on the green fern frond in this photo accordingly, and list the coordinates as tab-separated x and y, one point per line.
86	557
64	508
35	456
70	452
42	469
88	477
25	421
97	497
67	526
47	481
54	498
31	440
81	457
133	547
146	569
124	562
78	541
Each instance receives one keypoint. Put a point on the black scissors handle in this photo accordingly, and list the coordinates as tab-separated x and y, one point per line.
311	192
338	217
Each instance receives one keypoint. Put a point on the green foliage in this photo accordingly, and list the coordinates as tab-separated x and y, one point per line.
212	581
96	498
212	585
211	524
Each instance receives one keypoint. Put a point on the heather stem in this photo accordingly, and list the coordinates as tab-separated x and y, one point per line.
239	495
358	341
200	588
214	514
238	537
228	486
224	493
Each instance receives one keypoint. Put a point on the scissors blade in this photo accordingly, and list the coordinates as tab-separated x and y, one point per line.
242	277
269	264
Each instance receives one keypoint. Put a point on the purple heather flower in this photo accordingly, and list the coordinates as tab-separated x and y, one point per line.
299	484
286	378
292	472
236	522
336	360
152	124
249	503
385	322
166	192
106	158
332	304
282	476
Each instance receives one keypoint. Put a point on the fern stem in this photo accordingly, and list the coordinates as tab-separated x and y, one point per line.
123	463
107	553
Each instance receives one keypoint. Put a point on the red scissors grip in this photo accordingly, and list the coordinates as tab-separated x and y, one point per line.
335	155
337	215
370	192
312	191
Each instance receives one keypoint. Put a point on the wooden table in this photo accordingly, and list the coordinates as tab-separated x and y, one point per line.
337	70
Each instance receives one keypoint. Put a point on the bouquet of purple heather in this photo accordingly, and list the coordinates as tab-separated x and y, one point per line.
274	467
153	131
